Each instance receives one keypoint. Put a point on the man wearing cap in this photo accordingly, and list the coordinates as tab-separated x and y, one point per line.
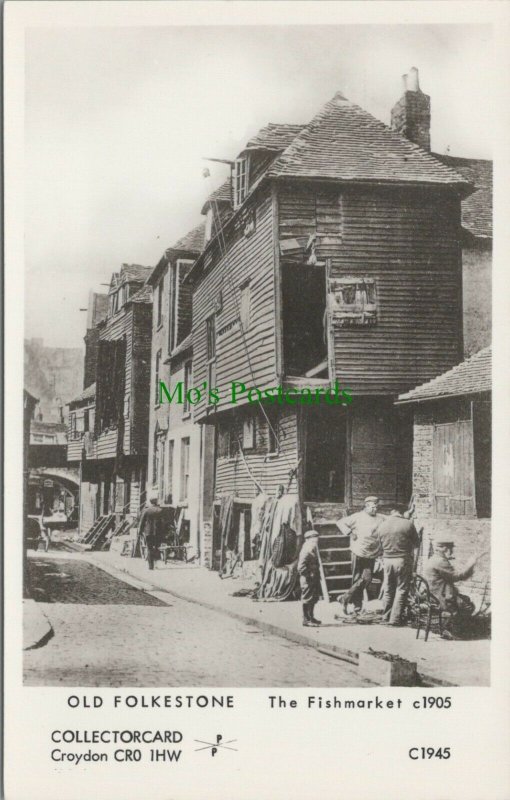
365	546
150	528
398	538
309	577
441	577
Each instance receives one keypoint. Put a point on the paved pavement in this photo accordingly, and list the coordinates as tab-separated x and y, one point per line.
458	663
109	633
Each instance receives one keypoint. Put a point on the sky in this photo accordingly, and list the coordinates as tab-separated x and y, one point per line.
118	122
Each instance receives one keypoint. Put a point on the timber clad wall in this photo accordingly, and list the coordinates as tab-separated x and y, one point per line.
408	241
133	322
115	328
140	378
270	471
251	258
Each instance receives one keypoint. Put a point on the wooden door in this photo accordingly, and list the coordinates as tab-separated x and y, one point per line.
453	469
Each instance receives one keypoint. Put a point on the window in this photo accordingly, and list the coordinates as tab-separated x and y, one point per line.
159	302
170	473
249	433
272	434
158	368
233	442
240	180
244	305
114	302
186	408
185	447
174	306
72	426
211	350
86	420
155	459
352	302
209	224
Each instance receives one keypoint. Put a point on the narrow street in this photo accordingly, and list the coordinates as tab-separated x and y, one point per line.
108	633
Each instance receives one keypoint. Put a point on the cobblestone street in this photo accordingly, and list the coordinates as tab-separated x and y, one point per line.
107	633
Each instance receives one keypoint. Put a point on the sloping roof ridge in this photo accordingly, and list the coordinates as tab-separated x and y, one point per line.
192	241
365	119
87	393
464	367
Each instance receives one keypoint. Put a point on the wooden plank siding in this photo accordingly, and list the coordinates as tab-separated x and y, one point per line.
408	241
453	469
74	448
270	471
140	388
246	258
133	322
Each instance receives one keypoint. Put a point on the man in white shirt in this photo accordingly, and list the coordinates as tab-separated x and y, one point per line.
365	547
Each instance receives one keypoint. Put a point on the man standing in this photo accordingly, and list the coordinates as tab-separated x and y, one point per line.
309	577
442	577
398	538
365	546
150	528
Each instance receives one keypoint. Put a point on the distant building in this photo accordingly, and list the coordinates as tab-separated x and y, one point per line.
96	313
53	485
54	375
109	419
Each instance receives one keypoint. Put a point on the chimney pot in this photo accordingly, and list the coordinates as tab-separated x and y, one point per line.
413	84
410	116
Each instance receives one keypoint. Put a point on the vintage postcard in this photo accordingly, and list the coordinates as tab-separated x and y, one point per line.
255	526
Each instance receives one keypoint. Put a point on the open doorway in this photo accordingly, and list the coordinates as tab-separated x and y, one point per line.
303	310
326	449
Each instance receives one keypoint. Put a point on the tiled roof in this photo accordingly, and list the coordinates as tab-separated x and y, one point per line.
469	377
193	242
274	137
134	272
477	208
88	394
143	295
345	142
223	194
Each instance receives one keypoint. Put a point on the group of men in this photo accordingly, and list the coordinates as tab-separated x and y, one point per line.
393	538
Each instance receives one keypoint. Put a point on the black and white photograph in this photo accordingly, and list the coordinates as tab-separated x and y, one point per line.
257	357
255	520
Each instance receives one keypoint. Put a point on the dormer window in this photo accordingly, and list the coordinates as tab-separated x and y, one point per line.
114	303
240	181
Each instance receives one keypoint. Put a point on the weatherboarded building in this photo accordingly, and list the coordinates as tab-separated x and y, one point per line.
174	453
342	237
109	420
452	461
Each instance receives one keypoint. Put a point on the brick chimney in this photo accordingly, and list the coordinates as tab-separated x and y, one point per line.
410	116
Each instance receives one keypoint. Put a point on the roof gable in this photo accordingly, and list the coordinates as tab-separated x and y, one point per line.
193	242
345	142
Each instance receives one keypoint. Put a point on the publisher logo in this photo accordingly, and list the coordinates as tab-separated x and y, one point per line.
215	747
